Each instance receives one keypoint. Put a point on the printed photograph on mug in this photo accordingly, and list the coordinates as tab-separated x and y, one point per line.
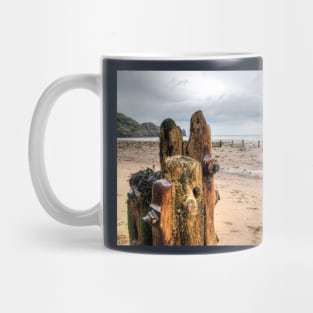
189	158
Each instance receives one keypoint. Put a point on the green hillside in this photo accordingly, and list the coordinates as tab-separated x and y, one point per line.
126	126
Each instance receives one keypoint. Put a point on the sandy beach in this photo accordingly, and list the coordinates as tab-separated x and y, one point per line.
238	215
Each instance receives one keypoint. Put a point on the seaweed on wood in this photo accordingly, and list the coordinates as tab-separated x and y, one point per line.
139	199
143	181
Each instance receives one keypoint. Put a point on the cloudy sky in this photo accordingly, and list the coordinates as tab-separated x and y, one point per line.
230	100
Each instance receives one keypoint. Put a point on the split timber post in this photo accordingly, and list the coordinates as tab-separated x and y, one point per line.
199	147
140	234
160	216
133	210
138	206
171	141
187	210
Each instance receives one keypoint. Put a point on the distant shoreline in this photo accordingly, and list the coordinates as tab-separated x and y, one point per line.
235	138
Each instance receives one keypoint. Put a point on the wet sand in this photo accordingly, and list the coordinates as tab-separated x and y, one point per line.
238	215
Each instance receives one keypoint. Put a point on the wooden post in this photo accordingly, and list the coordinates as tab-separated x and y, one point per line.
258	143
200	136
140	233
199	147
242	143
220	143
166	220
232	143
133	212
138	206
171	140
187	207
160	215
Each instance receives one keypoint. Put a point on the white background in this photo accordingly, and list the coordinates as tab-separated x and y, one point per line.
49	267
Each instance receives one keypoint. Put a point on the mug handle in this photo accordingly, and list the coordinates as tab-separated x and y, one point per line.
45	194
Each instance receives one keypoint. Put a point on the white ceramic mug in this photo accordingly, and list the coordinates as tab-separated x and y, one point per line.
172	201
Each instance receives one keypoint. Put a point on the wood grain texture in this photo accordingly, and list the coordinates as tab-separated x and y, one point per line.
199	147
187	208
171	141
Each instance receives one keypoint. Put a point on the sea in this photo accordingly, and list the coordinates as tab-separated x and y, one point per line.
248	138
237	139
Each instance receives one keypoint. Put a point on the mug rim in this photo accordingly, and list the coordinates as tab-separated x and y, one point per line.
169	57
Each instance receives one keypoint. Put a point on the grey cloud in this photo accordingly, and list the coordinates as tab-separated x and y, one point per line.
154	96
